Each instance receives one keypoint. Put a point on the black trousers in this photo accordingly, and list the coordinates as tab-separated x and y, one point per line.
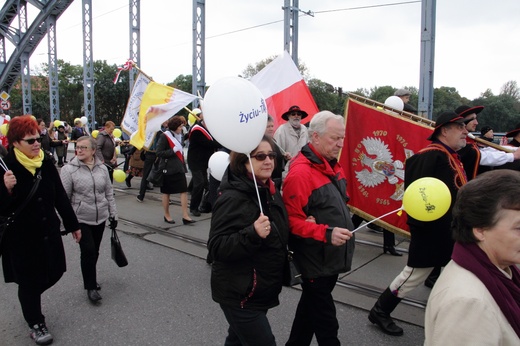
91	237
149	159
247	327
316	314
31	302
200	182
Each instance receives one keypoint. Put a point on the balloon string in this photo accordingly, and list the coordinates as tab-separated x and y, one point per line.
368	223
256	186
3	165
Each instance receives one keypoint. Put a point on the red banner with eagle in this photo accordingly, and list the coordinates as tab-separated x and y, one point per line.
377	144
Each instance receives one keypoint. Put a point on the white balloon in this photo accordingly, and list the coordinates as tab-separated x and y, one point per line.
395	102
235	113
84	120
217	164
8	117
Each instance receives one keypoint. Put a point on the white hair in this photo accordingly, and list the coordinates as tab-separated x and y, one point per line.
319	122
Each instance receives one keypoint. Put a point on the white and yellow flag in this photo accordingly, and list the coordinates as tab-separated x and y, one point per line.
158	104
130	121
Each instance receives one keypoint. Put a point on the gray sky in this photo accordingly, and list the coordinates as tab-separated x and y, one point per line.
477	41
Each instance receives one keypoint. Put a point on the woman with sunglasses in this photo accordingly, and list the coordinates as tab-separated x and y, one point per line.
31	247
89	189
247	246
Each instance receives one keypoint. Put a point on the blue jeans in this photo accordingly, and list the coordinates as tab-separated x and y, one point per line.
247	327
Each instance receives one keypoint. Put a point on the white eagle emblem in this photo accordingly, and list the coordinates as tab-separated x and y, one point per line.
379	166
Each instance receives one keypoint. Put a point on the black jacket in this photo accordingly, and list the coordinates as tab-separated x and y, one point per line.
200	149
247	270
171	163
32	249
431	243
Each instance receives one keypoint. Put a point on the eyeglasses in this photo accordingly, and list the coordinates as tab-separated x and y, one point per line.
82	147
31	141
262	156
297	114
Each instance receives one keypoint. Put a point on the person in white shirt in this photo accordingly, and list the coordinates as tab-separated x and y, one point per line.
292	136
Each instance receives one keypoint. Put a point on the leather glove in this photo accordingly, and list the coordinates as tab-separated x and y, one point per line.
113	222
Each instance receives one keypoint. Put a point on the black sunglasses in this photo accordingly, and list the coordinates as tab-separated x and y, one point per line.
262	156
32	140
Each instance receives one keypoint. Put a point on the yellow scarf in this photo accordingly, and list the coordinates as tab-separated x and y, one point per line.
29	164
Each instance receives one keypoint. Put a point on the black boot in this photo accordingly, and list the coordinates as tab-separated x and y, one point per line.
432	278
127	180
380	313
389	243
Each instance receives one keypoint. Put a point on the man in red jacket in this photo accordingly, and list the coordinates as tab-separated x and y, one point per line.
315	195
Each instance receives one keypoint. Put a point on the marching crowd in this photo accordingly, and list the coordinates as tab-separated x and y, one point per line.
283	204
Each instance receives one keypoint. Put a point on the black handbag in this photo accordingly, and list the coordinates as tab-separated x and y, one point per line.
291	273
118	255
156	174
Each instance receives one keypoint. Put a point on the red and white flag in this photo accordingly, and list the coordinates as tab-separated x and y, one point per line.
127	66
283	86
377	144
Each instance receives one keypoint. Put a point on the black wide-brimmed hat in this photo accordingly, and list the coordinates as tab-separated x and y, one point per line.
464	111
448	117
292	109
514	132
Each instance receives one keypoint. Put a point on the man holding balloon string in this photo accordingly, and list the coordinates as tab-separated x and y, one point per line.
315	195
431	243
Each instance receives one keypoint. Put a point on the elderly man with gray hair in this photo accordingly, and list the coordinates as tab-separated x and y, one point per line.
315	195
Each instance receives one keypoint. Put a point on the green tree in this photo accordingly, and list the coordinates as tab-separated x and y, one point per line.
326	96
110	98
380	94
446	99
501	112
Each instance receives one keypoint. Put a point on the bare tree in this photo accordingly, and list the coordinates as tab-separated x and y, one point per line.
511	89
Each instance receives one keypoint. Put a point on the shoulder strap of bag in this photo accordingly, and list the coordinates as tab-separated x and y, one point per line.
29	196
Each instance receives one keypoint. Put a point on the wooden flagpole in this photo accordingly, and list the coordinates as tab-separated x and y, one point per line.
419	119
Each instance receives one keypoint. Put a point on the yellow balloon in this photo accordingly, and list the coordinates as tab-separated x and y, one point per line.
117	133
4	128
191	119
57	123
95	133
119	175
427	199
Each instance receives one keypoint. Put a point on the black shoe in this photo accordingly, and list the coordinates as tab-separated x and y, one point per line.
94	296
391	250
169	221
205	210
187	222
127	181
139	199
149	188
98	287
195	212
